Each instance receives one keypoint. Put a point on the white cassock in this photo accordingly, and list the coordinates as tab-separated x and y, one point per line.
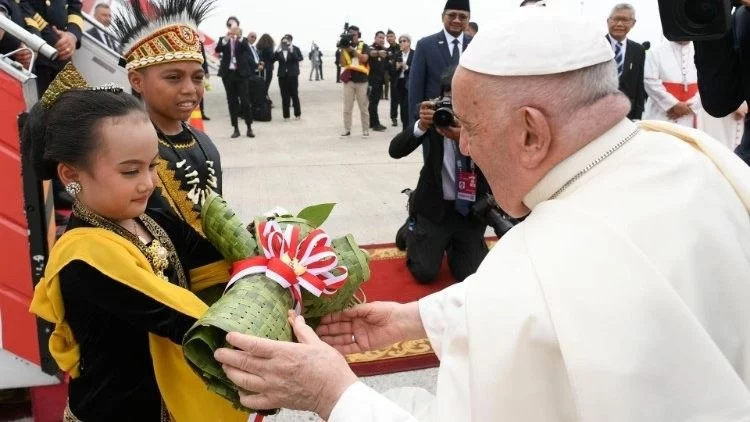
670	76
727	130
623	299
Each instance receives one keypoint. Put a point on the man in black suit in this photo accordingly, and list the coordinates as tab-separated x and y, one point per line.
724	72
436	52
400	76
289	56
234	70
376	78
629	56
103	15
440	208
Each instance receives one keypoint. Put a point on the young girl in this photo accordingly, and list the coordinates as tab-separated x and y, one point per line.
163	56
118	282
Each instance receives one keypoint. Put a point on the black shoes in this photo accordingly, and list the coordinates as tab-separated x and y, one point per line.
378	128
401	236
250	133
206	118
236	133
394	123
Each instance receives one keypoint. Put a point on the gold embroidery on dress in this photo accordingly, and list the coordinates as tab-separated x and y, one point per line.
160	249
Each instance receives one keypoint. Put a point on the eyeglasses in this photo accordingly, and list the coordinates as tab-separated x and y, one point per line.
460	16
621	20
403	40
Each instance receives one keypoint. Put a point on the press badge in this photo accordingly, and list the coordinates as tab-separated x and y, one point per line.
467	185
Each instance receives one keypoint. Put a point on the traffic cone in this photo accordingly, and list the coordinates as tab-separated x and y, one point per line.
196	119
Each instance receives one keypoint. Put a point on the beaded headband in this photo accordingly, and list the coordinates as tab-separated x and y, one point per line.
71	79
160	32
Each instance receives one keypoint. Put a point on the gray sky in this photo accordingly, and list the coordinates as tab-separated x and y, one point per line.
322	21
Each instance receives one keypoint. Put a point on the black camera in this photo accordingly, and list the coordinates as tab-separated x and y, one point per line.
345	39
485	209
695	20
443	116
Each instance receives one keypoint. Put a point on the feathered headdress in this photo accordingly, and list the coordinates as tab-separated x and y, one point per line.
152	33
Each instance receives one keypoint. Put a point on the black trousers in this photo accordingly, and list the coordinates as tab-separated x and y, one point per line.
268	74
289	93
320	69
376	90
238	97
44	77
403	101
395	97
462	238
338	74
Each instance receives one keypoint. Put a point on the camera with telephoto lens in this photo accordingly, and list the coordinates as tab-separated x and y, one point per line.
443	116
346	38
696	20
485	209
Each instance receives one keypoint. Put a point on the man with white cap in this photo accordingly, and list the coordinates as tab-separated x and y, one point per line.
621	297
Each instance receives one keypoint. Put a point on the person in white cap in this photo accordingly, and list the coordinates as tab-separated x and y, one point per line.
621	297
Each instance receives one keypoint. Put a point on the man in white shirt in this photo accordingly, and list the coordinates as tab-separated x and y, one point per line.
621	297
671	82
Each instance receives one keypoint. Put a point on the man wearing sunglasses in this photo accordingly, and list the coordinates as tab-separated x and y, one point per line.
435	53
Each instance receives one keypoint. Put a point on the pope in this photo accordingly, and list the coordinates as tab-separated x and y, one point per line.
621	297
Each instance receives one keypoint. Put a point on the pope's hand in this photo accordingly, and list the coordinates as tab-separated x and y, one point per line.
371	326
309	375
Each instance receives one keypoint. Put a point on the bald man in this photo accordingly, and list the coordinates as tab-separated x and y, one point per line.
621	297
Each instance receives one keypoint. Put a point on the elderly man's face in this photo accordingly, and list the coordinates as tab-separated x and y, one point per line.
491	137
620	23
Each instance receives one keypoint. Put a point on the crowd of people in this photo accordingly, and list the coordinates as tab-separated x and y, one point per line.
619	295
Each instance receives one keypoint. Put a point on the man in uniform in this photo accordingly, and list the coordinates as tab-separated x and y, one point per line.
60	24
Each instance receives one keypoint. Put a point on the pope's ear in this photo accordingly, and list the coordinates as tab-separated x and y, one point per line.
537	139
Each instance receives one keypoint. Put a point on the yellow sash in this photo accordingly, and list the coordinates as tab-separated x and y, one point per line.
183	392
362	68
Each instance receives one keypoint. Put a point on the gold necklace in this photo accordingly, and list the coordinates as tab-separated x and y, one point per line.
160	252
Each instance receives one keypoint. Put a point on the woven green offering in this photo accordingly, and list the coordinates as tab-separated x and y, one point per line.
255	304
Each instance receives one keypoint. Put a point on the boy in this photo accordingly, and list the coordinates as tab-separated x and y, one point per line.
165	69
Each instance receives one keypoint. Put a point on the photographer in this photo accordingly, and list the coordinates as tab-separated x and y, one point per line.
354	59
289	56
724	72
440	208
377	61
234	70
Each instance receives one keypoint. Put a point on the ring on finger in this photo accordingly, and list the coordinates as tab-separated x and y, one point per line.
354	339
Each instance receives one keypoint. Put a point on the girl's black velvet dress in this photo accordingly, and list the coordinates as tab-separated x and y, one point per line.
111	323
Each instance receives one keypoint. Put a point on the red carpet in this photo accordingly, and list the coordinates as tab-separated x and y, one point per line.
390	280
